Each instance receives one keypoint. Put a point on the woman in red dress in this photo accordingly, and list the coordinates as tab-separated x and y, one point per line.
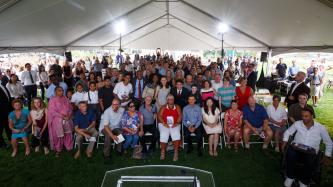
233	120
243	92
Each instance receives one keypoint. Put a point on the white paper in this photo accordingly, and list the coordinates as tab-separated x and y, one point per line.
170	121
120	139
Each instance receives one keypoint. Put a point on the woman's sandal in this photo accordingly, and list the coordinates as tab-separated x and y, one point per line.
175	157
162	157
211	153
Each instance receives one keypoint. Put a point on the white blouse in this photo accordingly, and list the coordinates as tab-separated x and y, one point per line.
15	90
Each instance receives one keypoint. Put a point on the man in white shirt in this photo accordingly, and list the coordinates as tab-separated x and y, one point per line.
277	120
216	84
29	79
316	80
308	134
123	90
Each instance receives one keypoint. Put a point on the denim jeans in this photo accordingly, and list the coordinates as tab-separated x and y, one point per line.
131	140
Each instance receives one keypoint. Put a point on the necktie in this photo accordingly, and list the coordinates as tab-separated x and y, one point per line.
179	93
32	80
139	87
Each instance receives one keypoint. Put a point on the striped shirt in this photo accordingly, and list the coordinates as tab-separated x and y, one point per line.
226	94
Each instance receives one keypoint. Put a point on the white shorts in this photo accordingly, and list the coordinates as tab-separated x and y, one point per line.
166	132
315	90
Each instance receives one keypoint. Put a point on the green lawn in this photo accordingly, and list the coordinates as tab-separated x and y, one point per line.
245	168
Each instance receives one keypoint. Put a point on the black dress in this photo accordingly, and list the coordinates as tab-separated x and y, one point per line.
67	72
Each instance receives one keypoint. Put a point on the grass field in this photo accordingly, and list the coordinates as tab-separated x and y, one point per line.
245	168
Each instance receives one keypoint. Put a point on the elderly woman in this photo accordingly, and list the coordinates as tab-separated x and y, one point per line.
212	124
131	124
233	121
60	122
149	113
19	121
170	117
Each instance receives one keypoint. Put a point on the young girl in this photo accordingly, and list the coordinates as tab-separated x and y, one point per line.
19	121
92	98
40	131
78	96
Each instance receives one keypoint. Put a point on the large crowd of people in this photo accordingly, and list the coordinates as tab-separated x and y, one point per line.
167	99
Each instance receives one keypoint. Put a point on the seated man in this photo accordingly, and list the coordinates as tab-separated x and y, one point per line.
256	121
277	120
295	110
308	134
111	122
192	118
84	122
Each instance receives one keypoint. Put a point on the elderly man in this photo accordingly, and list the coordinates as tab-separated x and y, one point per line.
256	121
309	135
111	119
192	117
296	88
84	122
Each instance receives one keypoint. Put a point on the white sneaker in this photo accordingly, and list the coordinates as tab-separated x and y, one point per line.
288	182
264	146
247	146
37	149
301	184
277	149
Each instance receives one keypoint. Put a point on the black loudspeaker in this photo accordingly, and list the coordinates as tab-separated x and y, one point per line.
68	56
263	57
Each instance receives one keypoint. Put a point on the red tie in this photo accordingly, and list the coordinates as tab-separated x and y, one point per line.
139	87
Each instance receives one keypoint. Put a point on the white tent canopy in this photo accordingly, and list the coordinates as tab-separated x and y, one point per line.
58	25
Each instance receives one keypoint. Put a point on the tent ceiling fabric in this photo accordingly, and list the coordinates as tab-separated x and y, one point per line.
284	25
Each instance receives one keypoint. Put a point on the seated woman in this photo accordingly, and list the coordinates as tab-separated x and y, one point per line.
233	121
60	122
148	111
212	125
170	117
15	87
277	120
132	126
40	131
19	121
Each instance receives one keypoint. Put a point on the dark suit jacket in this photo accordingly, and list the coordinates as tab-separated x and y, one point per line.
182	99
302	88
4	80
133	82
252	80
5	105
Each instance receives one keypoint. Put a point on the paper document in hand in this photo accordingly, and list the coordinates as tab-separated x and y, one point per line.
120	139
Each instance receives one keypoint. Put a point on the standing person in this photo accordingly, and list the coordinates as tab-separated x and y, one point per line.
192	118
68	74
43	80
243	92
216	84
123	90
55	81
93	103
277	120
84	125
151	87
226	94
40	131
6	108
29	79
295	110
111	121
59	122
180	94
316	80
170	117
296	89
132	126
281	69
105	94
310	134
15	87
138	85
293	70
162	91
19	121
233	124
98	67
207	91
83	81
252	77
211	124
149	114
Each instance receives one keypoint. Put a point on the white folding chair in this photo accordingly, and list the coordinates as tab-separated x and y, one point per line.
75	144
192	135
148	134
221	135
225	135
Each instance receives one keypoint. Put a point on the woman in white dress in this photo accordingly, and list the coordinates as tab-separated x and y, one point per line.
212	125
162	91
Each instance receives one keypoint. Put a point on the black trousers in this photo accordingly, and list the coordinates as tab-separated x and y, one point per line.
42	90
198	133
31	92
43	141
97	110
294	159
4	126
154	131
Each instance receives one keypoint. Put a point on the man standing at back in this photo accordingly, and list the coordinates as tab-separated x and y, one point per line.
296	89
29	79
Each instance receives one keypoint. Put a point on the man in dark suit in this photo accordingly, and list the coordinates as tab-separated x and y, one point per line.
252	77
296	89
5	78
180	93
5	109
138	84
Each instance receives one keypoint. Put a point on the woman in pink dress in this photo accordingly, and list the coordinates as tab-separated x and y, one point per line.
60	122
233	120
